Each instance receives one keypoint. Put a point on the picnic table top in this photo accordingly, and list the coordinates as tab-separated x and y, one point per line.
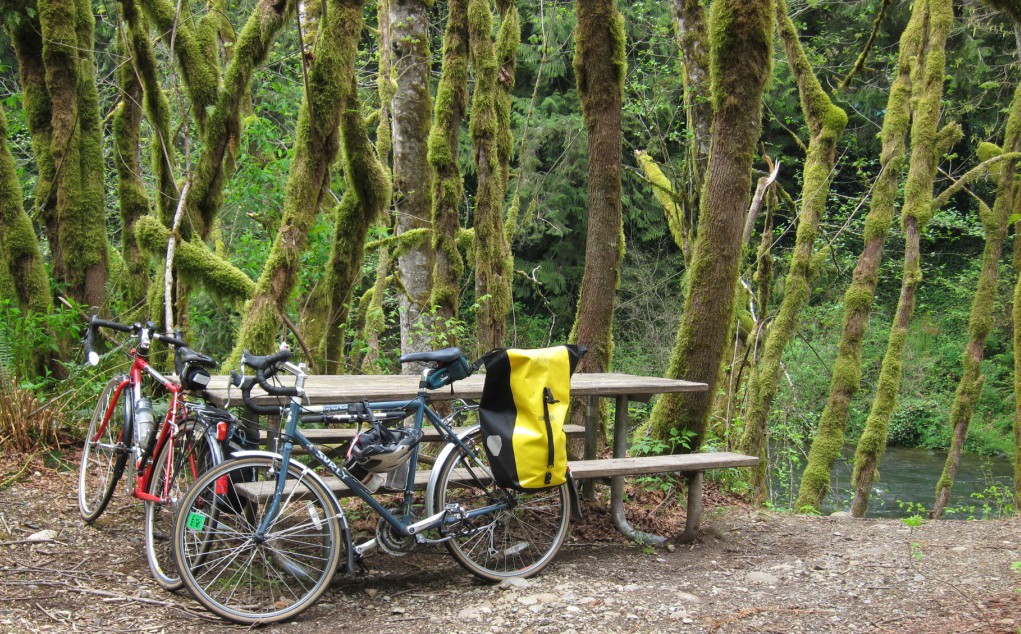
339	388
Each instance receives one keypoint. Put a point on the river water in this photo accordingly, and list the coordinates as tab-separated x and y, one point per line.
907	483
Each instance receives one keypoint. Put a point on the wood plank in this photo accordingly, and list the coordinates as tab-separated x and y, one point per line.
646	465
338	435
351	388
581	469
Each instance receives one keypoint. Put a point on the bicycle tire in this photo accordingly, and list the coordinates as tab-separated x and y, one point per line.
104	454
518	541
193	451
228	570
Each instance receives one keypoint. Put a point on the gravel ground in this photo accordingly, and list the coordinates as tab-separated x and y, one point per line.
751	571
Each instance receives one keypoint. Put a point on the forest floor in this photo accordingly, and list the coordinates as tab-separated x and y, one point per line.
751	571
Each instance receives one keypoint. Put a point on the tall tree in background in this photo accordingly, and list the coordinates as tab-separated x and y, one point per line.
489	127
451	100
600	66
858	299
980	323
927	92
826	123
22	273
741	52
54	45
330	81
693	41
411	109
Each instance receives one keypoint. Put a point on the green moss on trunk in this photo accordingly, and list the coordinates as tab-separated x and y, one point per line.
826	123
330	82
927	81
741	52
448	113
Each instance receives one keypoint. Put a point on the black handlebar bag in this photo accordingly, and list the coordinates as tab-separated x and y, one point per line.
524	403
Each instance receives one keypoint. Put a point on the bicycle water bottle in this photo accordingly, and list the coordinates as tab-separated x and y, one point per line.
143	421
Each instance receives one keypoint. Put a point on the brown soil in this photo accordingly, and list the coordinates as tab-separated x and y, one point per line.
751	571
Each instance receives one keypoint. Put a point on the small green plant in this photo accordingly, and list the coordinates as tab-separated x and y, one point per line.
648	446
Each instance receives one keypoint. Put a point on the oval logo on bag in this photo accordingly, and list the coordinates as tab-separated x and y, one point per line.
494	444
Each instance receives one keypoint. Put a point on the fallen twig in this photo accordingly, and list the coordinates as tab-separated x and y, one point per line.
753	611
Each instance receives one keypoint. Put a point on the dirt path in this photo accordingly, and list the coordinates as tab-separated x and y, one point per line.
752	571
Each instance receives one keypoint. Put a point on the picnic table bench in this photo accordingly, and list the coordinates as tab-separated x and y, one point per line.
624	388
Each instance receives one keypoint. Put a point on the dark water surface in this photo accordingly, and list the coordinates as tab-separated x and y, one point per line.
907	478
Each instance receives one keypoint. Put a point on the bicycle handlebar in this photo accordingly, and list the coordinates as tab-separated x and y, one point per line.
95	323
246	386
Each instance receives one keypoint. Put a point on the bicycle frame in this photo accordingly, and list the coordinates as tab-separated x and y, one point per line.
417	407
143	466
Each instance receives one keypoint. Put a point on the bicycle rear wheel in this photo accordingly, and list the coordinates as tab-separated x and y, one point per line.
180	461
517	541
105	452
244	577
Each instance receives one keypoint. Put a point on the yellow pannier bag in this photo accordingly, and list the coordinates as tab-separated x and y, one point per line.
524	403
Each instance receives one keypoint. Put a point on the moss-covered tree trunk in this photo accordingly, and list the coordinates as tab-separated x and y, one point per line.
492	257
826	123
134	202
994	222
411	109
600	65
157	109
367	195
927	91
22	273
451	98
693	41
829	436
79	246
316	145
741	51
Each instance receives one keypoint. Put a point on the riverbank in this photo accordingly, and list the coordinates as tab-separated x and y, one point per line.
752	571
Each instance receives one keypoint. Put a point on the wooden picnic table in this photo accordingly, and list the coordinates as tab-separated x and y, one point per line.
322	389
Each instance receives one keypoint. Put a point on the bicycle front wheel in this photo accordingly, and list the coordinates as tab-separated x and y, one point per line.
518	540
178	464
240	574
105	452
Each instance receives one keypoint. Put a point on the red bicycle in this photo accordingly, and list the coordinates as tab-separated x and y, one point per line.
163	460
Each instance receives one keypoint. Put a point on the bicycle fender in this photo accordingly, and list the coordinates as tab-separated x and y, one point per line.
434	475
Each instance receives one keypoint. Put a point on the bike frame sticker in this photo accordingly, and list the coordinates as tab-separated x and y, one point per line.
196	521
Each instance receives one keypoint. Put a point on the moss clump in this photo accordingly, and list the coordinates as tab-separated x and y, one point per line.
677	221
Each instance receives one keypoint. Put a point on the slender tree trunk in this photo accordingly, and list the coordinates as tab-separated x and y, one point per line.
741	32
693	40
826	123
927	93
411	109
134	202
994	222
493	261
451	98
829	437
330	81
22	273
600	65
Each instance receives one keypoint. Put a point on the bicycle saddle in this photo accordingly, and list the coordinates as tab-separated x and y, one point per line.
442	357
189	356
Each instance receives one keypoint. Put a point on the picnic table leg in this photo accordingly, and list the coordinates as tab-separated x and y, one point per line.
617	482
694	508
591	442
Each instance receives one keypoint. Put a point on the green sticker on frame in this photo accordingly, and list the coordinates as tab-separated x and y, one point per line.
196	521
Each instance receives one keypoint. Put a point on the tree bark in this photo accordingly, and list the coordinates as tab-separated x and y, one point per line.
493	262
829	437
927	93
741	34
22	273
600	65
78	244
411	109
980	322
693	41
330	82
826	123
448	189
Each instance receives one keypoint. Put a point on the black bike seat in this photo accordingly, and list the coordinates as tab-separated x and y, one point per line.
442	357
187	355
